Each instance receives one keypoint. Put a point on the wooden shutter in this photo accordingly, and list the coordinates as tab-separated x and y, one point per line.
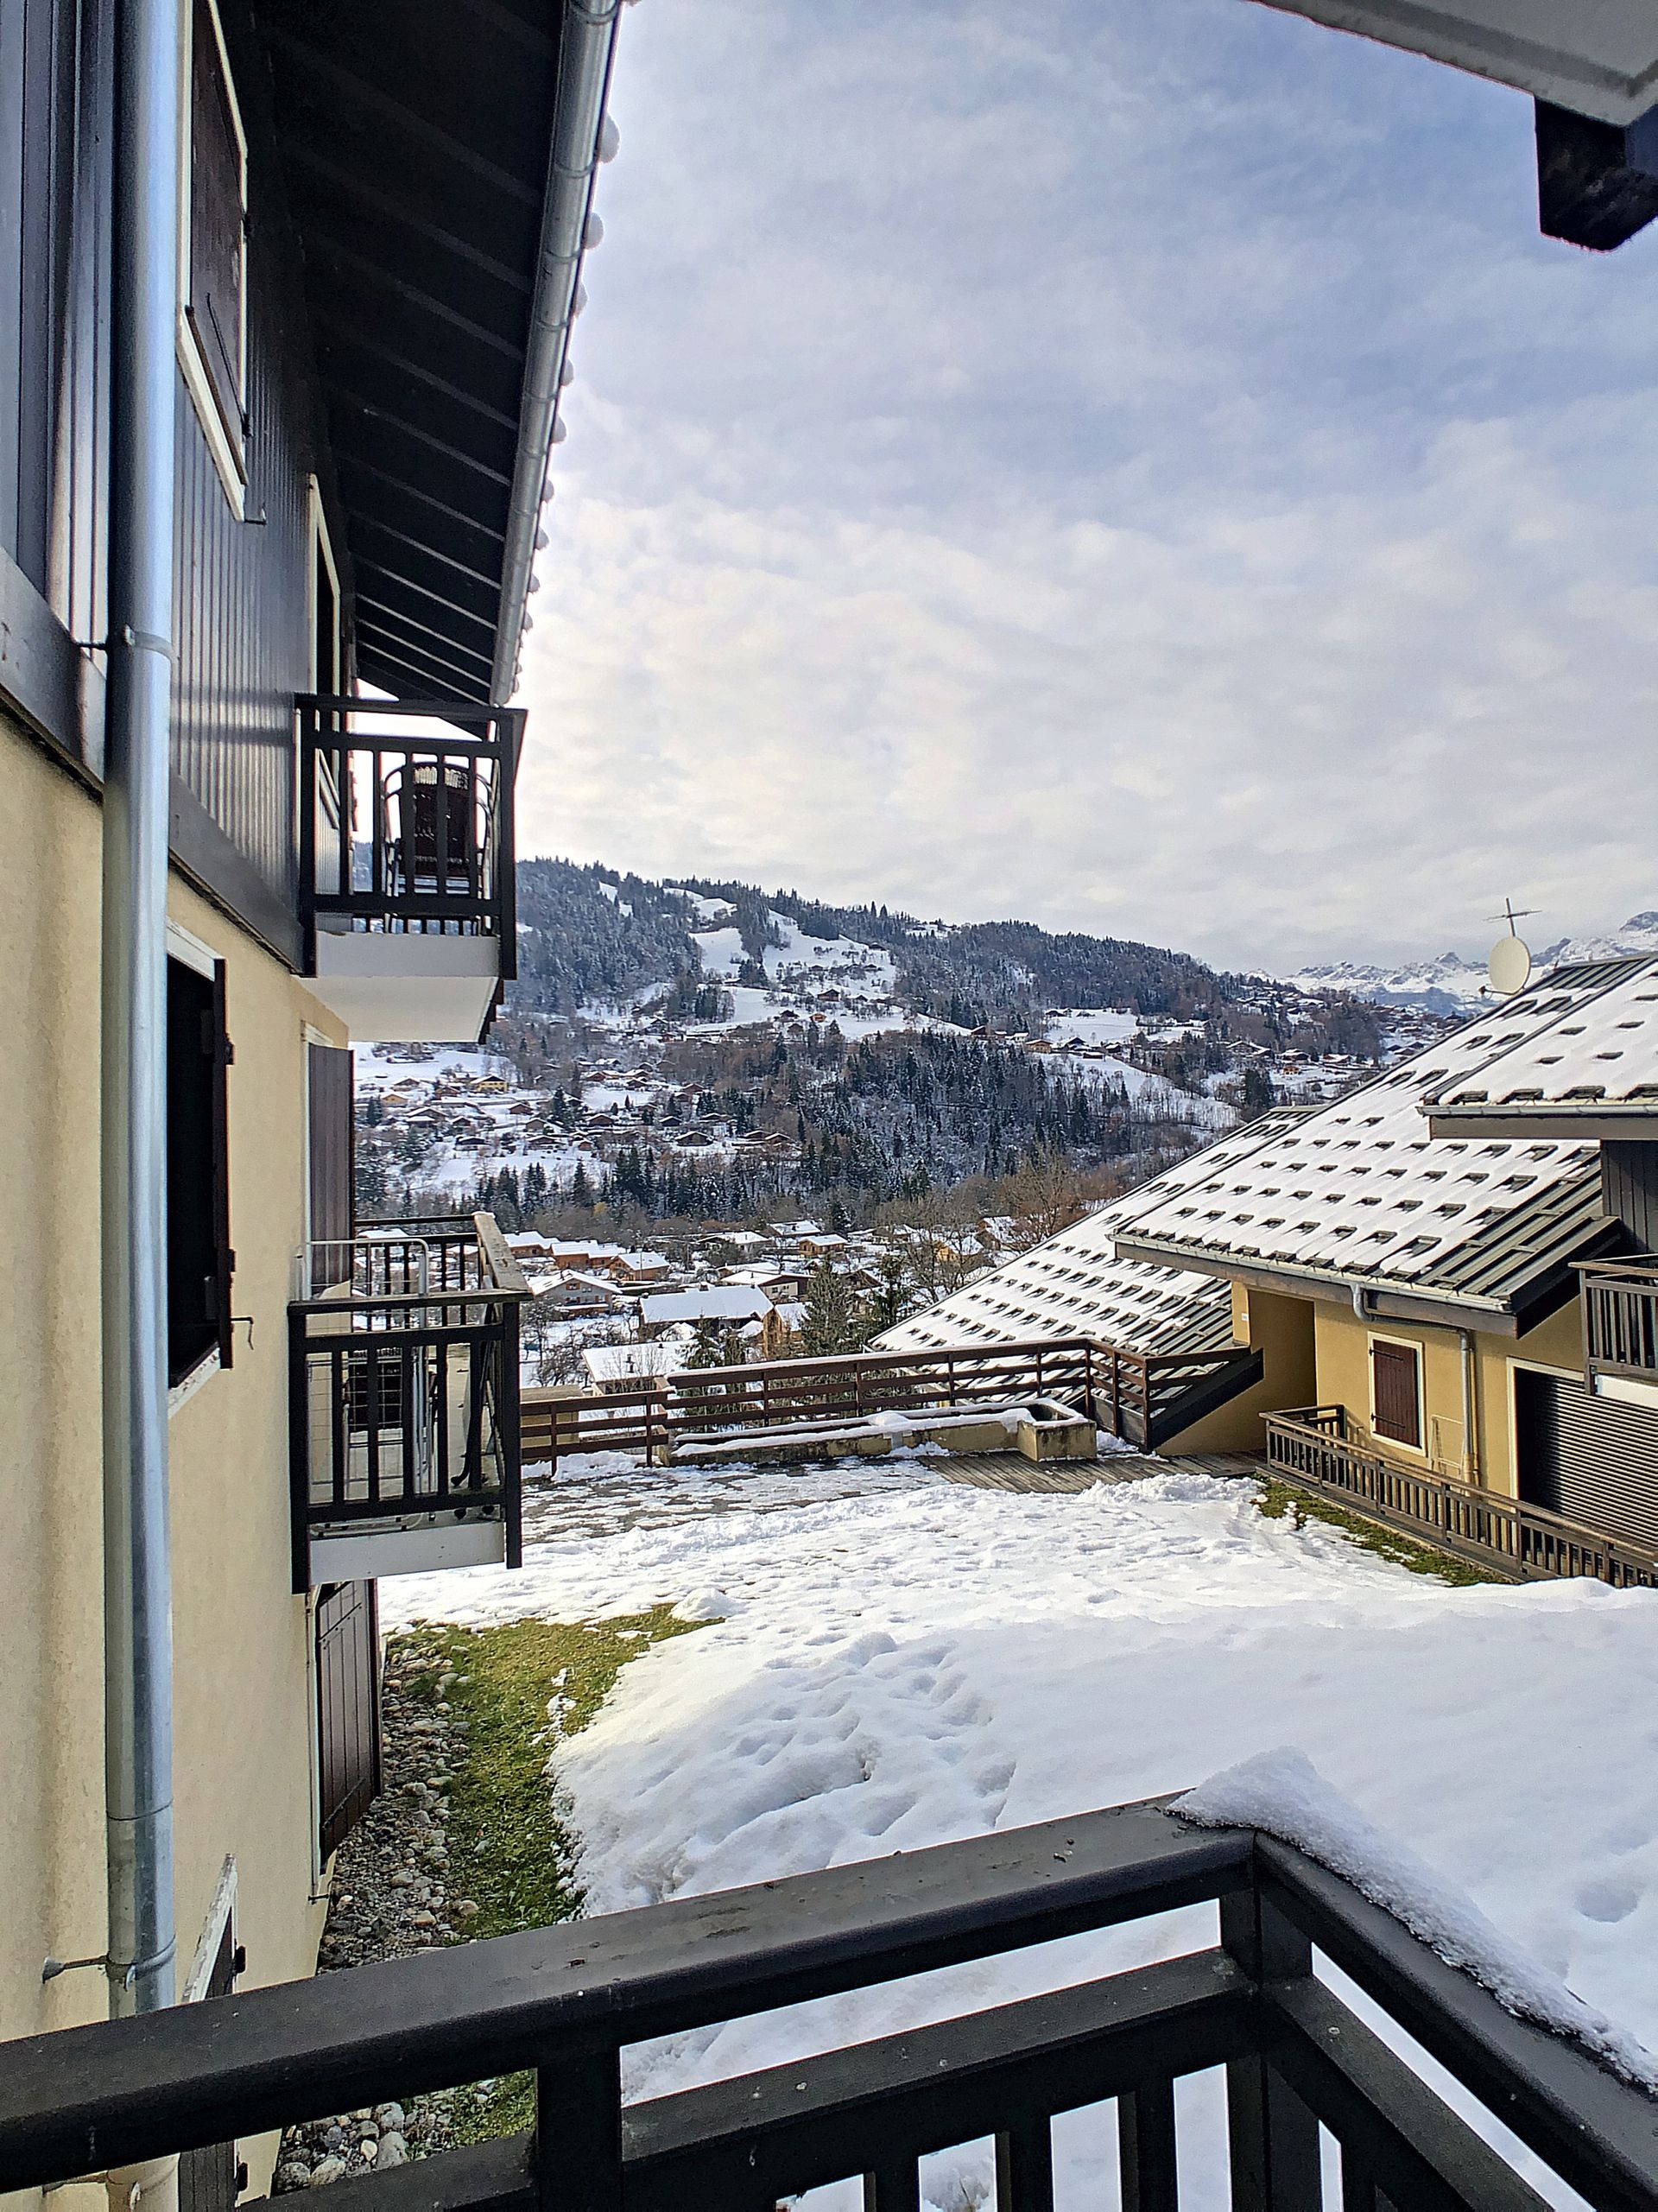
221	1052
333	1171
1593	1459
1398	1411
210	2178
216	221
348	1709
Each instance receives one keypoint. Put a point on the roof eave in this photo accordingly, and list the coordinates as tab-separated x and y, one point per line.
1389	1302
1598	1120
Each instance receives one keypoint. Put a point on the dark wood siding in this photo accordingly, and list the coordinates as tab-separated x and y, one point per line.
348	1709
331	1145
240	585
1628	1182
241	623
1398	1408
1593	1459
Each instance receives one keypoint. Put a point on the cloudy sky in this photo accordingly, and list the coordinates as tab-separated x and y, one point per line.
1137	469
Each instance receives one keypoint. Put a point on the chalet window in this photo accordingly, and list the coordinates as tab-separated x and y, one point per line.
1396	1392
200	1260
214	270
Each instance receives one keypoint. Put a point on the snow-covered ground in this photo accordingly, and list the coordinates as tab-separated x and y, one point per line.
894	1661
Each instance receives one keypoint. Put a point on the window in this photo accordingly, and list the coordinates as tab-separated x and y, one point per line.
1396	1392
212	338
200	1261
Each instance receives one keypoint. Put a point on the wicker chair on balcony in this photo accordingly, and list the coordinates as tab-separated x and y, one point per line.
415	801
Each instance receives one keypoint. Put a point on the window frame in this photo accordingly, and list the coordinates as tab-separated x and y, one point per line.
1417	1350
227	446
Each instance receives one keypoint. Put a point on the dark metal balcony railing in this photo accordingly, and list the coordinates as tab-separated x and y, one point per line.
408	830
1319	1446
1620	1317
564	2001
404	1382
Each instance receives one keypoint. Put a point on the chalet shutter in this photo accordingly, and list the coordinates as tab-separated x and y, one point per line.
216	223
220	1052
332	1140
1595	1460
200	1261
1398	1414
211	2179
348	1709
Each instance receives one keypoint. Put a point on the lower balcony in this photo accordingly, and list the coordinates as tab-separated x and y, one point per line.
1620	1329
403	1403
407	864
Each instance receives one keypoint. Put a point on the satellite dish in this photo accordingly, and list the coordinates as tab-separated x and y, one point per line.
1509	965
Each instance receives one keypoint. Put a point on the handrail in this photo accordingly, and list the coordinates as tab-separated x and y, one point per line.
1311	1445
563	2000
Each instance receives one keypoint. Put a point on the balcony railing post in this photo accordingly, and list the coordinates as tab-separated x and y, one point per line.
1274	2137
1145	2149
299	1467
578	2154
510	1436
1024	2166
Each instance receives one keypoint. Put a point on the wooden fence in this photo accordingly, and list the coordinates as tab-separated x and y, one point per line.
1129	1393
1316	1446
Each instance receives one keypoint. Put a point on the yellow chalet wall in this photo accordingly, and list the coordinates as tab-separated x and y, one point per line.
243	1701
1342	1343
1280	1329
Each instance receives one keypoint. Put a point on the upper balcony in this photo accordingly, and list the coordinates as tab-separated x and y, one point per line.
404	1420
1620	1327
407	863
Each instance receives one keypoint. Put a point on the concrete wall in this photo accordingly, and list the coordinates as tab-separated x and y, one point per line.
243	1697
1280	1329
1342	1342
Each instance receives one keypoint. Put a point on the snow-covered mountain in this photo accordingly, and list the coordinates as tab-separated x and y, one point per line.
1450	984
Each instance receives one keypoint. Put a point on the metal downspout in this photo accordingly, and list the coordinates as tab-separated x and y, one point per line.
1470	1409
137	1596
589	44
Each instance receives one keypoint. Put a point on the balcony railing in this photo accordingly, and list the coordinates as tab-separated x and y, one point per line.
564	2001
406	860
1321	1447
403	1403
1142	1397
1620	1318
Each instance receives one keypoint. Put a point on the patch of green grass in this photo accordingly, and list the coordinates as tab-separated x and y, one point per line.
508	1851
1281	1500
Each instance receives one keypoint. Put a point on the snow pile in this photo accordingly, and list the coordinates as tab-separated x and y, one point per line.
1283	1793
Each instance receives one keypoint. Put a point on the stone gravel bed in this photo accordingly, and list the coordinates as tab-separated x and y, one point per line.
395	1893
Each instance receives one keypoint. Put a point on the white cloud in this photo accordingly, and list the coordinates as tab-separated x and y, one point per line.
1159	488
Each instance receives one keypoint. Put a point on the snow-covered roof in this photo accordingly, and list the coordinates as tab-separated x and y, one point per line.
1077	1284
1592	1058
617	1363
1361	1192
716	1301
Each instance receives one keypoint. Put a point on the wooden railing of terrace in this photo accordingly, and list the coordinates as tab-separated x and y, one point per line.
1316	1446
564	2002
1129	1393
1620	1317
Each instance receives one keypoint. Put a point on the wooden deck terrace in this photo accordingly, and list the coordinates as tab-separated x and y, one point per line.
1053	1478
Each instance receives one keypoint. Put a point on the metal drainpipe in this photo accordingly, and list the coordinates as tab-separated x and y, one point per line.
137	1595
1470	1409
589	45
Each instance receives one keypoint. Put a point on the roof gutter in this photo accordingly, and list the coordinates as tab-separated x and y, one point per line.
586	49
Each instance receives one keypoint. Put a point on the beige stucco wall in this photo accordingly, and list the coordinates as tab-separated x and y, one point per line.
1343	1341
242	1696
1280	1329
